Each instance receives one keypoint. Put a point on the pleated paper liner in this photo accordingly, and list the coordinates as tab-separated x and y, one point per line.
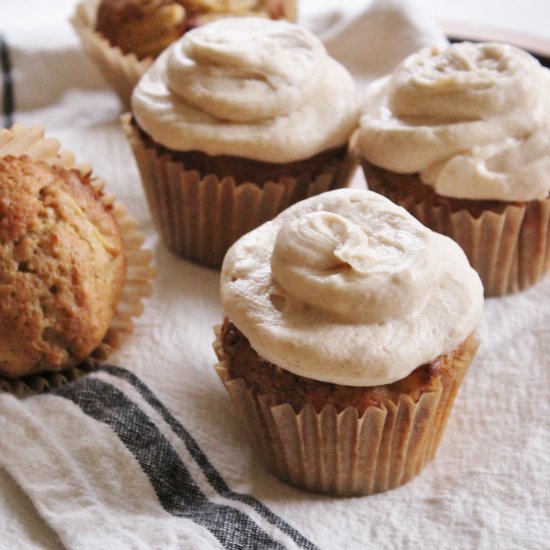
200	218
509	248
122	71
19	141
35	384
345	453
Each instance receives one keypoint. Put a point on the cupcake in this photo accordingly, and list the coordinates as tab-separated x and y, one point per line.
72	271
123	37
348	330
460	137
234	122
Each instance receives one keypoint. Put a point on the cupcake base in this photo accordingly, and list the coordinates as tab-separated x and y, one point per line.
507	243
200	214
347	451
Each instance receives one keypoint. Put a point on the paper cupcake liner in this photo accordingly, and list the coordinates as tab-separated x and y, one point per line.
509	249
200	218
121	71
345	453
139	270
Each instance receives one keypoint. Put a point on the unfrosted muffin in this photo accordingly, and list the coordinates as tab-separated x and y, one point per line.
461	138
349	327
234	122
124	36
63	267
72	272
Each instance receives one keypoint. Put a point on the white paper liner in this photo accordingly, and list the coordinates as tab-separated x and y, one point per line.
509	250
122	71
31	142
199	219
344	453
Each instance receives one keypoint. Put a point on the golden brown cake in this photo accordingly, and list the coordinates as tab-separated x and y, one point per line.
264	378
62	267
348	331
460	138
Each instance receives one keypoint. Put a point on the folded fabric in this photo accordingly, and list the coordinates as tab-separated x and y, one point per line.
149	454
111	467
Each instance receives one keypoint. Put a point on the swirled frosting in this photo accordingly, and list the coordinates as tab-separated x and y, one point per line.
250	87
472	120
346	287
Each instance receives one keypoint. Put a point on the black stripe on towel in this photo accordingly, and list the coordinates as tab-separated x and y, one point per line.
212	475
7	84
175	488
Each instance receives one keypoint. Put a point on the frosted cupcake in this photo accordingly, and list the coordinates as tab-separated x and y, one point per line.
71	266
460	137
349	327
123	37
234	122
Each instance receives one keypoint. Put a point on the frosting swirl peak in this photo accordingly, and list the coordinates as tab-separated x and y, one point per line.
352	267
347	287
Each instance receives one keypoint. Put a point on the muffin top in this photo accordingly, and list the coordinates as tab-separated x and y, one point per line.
472	120
146	27
62	267
346	287
247	87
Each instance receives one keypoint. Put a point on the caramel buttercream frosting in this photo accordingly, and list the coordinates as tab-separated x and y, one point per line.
247	87
346	287
471	119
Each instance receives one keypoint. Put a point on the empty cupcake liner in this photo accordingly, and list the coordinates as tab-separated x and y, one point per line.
199	218
510	249
121	71
345	453
31	142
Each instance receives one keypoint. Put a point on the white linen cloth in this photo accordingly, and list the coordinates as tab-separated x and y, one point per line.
151	455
